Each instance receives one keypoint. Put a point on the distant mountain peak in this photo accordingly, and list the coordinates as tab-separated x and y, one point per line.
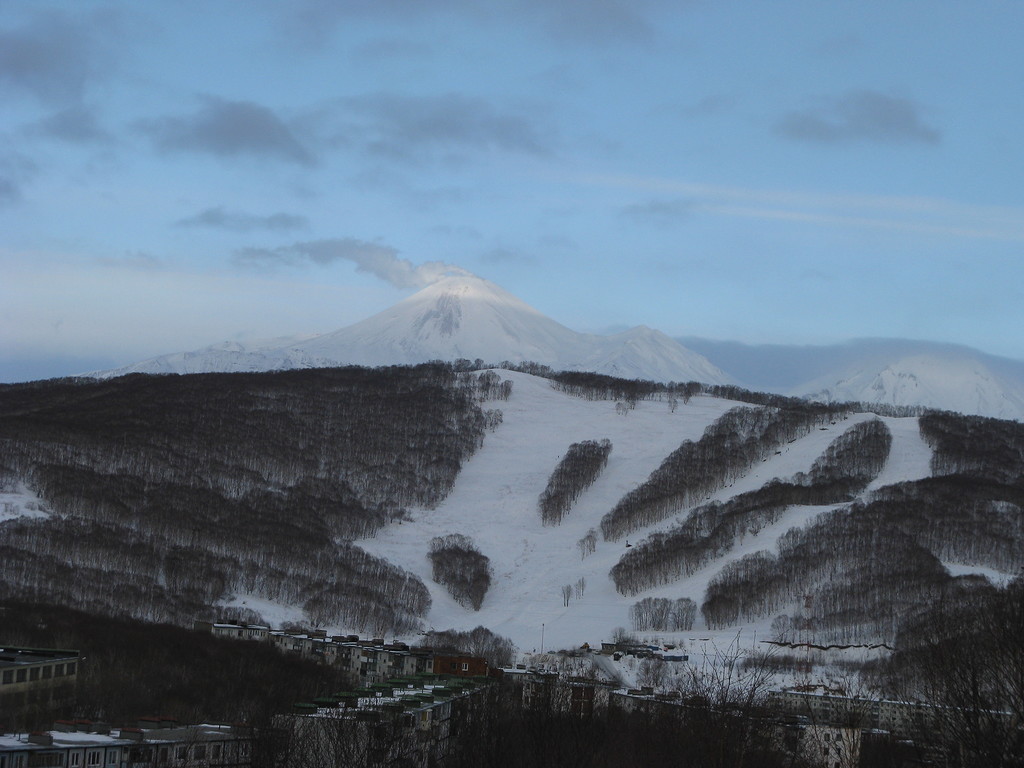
955	382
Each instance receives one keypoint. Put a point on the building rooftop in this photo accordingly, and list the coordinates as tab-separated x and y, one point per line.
121	737
12	657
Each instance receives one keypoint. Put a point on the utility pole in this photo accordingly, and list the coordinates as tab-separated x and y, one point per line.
542	637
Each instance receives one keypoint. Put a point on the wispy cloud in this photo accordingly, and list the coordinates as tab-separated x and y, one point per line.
659	212
860	116
228	129
445	126
219	218
923	215
597	22
314	23
506	256
135	261
374	258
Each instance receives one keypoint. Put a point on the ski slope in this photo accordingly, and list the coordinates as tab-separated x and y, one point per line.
494	502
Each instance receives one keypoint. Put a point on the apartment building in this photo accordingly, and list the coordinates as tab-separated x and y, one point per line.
157	742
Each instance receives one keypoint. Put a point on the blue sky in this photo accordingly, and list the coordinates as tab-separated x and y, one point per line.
177	174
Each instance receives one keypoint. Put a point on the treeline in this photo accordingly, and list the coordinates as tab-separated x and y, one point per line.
172	493
481	642
132	669
110	570
964	655
461	568
579	468
975	445
662	614
541	724
867	566
854	458
695	470
846	467
597	386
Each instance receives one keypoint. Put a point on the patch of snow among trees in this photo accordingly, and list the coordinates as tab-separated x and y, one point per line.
18	501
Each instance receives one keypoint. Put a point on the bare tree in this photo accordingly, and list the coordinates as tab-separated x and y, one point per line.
588	544
966	659
566	594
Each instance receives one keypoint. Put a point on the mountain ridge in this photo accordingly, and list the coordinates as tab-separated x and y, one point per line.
467	317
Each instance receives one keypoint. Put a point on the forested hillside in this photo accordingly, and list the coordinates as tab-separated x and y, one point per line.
167	493
397	500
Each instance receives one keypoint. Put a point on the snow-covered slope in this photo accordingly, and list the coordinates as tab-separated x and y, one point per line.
495	502
457	317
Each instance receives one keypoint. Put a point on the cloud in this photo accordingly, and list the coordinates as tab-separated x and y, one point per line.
15	170
76	124
218	218
51	57
312	24
373	258
391	48
133	260
228	129
860	116
420	127
596	22
9	191
506	256
659	212
921	215
713	104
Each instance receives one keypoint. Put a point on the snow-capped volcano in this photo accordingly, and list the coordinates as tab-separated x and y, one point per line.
456	317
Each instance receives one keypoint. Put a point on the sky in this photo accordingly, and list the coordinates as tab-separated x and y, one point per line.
175	174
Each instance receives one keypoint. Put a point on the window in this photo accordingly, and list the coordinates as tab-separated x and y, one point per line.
58	670
111	757
20	675
45	760
180	753
465	666
76	759
93	757
47	672
199	752
215	752
162	755
8	676
69	668
33	674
